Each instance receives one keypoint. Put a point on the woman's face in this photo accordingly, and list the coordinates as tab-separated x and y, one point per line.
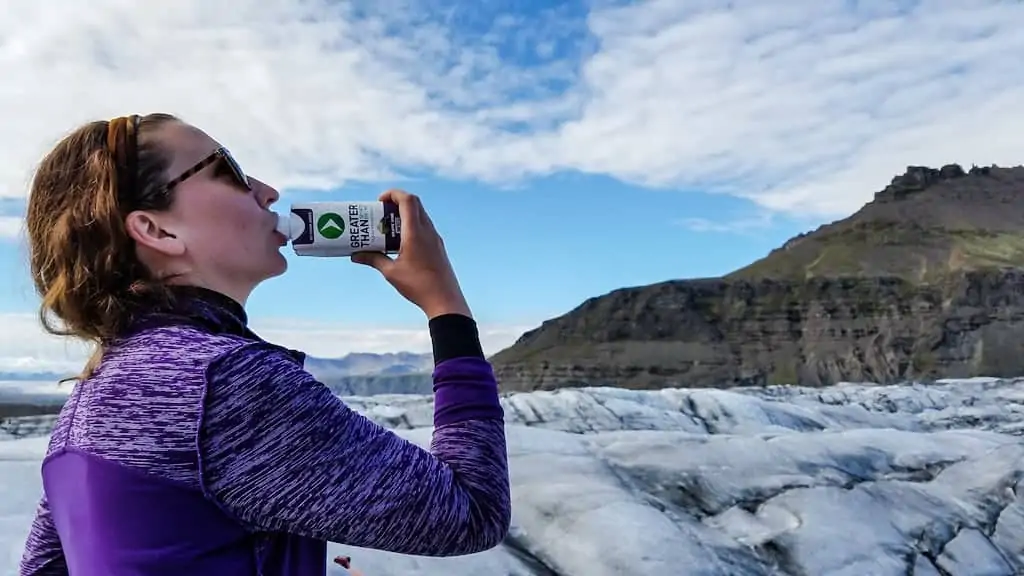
218	233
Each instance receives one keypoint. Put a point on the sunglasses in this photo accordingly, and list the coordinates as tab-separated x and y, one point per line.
219	155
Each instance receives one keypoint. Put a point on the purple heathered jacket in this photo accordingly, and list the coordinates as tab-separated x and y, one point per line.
198	448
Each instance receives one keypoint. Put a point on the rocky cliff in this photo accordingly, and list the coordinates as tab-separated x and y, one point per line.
925	224
922	283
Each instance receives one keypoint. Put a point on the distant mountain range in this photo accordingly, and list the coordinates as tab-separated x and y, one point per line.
367	364
354	364
33	376
356	374
366	374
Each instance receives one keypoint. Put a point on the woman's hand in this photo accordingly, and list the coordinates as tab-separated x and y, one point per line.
421	272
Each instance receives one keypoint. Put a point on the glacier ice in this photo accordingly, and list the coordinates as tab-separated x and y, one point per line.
852	479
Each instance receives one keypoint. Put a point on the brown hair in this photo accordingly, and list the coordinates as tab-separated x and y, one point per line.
83	262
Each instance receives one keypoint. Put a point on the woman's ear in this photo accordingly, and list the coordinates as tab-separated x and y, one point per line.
150	230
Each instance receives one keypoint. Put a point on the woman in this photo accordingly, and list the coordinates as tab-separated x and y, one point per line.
190	445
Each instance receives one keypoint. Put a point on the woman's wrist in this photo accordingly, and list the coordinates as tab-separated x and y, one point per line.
445	310
451	305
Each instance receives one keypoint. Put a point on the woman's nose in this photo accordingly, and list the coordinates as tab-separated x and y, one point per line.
266	194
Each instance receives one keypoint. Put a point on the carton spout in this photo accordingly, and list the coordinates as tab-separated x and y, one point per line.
289	225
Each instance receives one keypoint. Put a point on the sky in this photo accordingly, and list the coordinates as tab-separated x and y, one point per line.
563	149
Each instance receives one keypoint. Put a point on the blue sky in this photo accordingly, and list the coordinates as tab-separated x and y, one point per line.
537	251
522	254
562	152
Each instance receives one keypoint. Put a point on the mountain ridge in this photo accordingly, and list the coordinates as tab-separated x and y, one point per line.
920	283
925	223
355	374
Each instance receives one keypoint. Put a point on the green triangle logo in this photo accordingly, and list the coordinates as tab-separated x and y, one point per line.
330	225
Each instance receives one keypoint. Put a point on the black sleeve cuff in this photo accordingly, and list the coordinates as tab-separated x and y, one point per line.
454	336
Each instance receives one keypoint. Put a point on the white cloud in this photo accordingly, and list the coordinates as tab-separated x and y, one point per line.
331	341
806	106
26	348
743	225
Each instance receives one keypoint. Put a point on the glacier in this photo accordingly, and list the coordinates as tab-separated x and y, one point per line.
853	479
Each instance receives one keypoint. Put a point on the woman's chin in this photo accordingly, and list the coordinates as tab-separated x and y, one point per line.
281	264
277	265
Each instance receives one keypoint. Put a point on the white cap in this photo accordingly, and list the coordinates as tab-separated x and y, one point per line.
284	225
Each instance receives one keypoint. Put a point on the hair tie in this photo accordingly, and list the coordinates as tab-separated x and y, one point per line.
122	143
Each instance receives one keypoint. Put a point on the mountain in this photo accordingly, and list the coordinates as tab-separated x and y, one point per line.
784	481
364	364
40	376
374	384
354	364
366	374
926	224
356	374
923	282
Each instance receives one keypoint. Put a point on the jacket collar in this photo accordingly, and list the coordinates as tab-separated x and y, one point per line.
195	305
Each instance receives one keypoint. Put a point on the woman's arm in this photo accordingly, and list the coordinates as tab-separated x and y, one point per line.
43	554
282	453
